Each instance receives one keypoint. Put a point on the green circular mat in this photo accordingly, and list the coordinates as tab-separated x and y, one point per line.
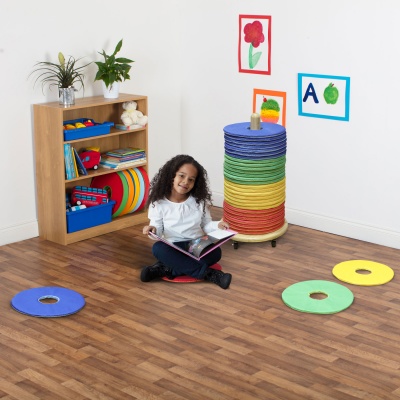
253	180
298	297
254	171
255	163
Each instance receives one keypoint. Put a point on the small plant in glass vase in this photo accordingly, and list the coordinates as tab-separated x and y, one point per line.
112	71
63	75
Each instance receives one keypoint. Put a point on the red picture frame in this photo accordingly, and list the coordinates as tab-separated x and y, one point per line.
254	48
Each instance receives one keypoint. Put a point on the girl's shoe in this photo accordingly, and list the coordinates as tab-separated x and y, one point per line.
222	279
158	270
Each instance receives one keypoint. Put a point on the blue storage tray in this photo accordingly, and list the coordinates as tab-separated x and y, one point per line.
89	217
80	133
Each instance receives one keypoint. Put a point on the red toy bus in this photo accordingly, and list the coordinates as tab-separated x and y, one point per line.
88	196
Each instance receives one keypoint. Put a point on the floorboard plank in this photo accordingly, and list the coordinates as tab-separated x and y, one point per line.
171	341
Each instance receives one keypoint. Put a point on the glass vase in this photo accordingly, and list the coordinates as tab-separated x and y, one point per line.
66	96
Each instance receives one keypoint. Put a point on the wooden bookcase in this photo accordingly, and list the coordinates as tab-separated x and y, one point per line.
51	183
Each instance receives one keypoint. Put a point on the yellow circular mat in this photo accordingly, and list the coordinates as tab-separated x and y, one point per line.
261	238
363	272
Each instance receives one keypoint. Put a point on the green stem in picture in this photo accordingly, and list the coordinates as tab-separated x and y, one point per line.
253	58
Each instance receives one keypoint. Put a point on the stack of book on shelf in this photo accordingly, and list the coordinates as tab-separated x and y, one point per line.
123	158
73	164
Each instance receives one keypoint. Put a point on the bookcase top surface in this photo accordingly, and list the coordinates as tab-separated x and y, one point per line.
93	101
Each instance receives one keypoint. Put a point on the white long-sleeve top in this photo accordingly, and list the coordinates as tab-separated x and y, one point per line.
177	222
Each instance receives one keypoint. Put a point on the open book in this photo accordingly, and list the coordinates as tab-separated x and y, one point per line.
199	247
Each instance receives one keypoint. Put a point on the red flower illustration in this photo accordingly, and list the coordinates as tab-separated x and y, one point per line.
253	34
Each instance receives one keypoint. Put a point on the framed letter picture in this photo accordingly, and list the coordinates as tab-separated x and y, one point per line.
271	105
255	44
324	96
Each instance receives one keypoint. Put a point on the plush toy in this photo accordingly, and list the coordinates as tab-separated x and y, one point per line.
132	116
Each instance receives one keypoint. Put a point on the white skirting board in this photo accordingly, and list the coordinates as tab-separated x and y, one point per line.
322	223
17	233
335	226
348	229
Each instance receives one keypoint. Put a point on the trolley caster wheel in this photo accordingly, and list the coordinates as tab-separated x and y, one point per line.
235	245
273	243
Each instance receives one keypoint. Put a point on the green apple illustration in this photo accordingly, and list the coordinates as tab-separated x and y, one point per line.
331	94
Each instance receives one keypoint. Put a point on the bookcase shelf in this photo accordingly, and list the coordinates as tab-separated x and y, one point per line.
51	184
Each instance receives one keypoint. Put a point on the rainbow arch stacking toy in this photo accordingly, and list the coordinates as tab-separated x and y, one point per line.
255	181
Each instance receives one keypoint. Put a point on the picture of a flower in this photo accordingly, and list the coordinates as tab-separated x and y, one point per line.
253	34
254	50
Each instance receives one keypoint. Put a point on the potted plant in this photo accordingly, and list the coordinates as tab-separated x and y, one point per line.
62	75
112	71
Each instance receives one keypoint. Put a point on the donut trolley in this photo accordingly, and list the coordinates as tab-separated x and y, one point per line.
255	181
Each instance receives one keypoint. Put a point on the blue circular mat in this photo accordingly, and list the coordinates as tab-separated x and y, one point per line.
254	148
242	129
241	142
34	302
246	156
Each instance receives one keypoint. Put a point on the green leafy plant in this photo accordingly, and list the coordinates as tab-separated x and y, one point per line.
63	75
113	69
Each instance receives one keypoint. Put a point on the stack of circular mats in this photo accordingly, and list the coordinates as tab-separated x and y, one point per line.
254	181
128	188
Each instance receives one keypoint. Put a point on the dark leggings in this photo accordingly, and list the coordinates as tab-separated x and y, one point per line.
180	263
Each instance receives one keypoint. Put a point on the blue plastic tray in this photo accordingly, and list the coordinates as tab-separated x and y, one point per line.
89	217
80	133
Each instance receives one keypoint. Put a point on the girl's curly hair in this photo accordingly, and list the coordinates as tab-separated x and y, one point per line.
161	184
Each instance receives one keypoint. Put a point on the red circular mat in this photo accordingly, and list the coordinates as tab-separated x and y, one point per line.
114	186
189	279
254	222
242	211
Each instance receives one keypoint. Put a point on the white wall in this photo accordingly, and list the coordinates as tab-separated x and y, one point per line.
342	177
37	31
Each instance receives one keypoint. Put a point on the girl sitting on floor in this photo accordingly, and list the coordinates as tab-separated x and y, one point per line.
178	204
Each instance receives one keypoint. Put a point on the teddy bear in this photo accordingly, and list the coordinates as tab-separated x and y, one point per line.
132	116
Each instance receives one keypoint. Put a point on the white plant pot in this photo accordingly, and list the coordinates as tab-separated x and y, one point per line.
111	92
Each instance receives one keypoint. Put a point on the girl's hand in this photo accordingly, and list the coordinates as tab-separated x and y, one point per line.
223	225
148	228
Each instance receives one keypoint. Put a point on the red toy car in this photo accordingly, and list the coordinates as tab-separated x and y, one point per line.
90	159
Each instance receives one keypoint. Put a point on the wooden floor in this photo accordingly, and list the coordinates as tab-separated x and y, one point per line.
174	341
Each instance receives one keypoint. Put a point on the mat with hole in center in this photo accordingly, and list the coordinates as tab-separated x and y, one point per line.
318	297
363	272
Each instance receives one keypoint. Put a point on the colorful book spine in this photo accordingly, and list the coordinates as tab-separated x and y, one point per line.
81	168
124	158
124	152
121	165
74	162
67	160
71	161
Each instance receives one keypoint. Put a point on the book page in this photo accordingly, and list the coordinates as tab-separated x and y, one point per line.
221	233
197	246
209	242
